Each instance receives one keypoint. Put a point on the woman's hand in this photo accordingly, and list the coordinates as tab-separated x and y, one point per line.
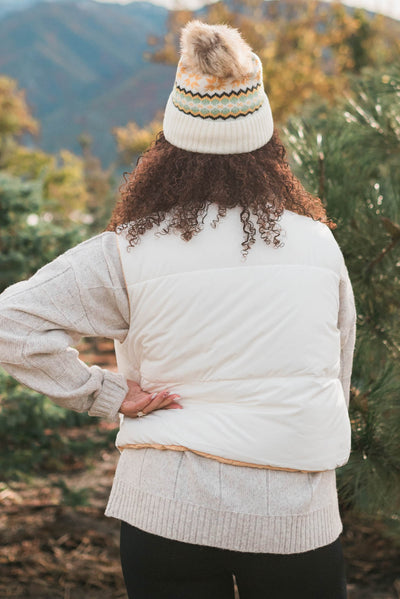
137	400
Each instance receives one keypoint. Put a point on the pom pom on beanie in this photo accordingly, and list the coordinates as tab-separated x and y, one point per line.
216	50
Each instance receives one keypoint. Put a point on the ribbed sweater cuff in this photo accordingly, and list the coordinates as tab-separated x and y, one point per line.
201	525
110	396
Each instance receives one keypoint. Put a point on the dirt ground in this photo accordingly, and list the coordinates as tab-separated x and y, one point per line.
52	550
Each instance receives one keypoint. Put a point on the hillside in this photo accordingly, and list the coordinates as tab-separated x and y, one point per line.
9	6
81	63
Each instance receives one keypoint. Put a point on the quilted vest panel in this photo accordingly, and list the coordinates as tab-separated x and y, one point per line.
252	346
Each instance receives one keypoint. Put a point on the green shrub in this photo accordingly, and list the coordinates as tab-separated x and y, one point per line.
34	432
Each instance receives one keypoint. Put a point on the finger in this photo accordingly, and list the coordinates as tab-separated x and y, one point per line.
146	405
174	405
146	400
129	409
169	399
130	406
162	398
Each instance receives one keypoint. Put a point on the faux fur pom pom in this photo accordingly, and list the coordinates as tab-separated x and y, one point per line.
217	50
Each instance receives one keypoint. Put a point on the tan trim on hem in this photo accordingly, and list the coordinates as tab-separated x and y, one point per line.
209	455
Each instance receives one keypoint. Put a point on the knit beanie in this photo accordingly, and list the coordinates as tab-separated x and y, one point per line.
218	104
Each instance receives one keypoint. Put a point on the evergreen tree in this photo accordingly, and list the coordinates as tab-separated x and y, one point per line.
100	187
349	157
28	238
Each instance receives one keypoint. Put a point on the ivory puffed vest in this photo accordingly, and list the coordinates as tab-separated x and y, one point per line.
252	346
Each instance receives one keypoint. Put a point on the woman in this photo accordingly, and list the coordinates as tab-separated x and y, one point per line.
234	471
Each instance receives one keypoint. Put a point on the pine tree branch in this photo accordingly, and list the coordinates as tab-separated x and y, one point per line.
394	231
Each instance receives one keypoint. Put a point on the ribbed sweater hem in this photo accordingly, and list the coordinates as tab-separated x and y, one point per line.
192	523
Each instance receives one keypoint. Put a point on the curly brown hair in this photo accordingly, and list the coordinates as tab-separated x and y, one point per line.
178	186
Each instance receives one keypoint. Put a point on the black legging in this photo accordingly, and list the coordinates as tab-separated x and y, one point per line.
155	567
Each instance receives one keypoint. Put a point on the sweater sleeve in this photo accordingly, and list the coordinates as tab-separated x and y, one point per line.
80	293
347	318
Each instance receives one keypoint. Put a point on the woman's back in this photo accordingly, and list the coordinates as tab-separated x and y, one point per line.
251	346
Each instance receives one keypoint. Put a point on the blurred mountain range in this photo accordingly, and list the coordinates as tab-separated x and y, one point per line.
8	6
81	64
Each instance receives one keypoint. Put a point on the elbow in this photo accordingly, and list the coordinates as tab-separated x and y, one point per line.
11	339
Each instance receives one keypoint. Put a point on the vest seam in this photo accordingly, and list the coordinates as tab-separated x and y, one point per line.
190	272
123	274
245	378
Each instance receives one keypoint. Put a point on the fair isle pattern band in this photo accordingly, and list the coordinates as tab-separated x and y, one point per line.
209	97
222	105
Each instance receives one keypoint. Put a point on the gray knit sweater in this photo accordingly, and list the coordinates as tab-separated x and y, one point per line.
179	495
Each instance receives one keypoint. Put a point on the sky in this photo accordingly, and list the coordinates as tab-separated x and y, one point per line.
391	8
